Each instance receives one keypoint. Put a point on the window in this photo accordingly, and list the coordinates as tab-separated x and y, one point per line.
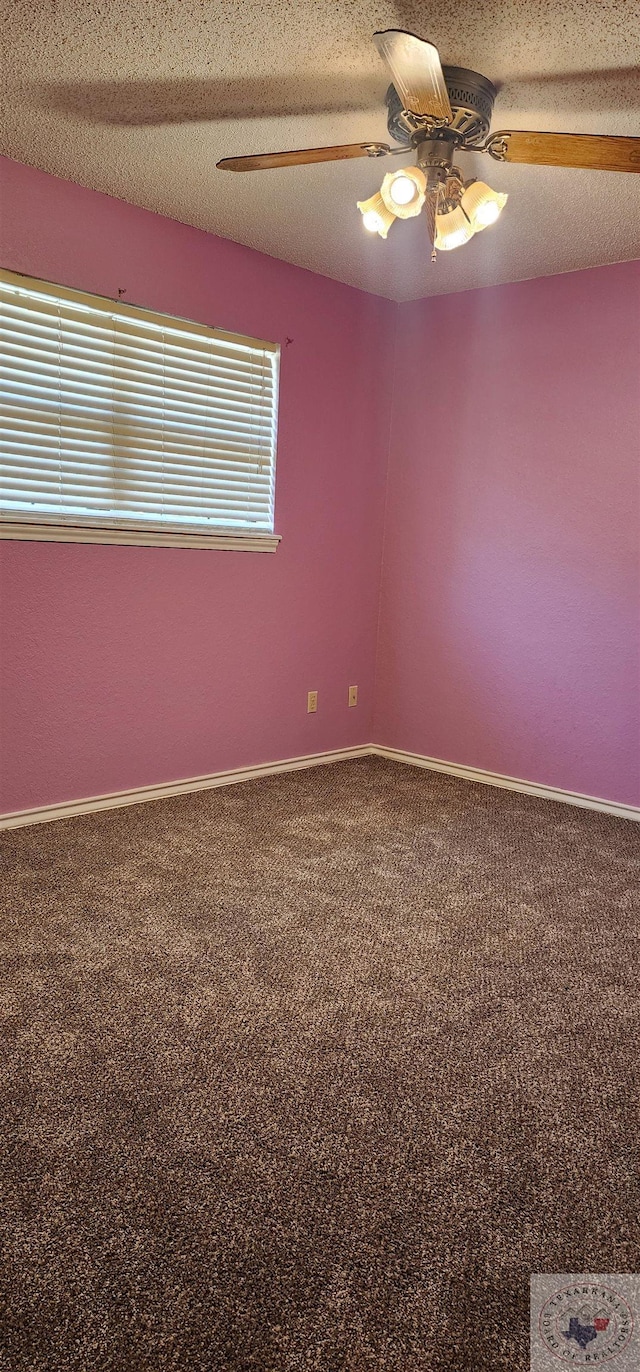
122	426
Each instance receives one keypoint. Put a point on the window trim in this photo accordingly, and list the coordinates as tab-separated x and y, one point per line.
29	531
69	528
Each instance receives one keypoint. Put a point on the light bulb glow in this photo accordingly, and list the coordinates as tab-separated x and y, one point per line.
376	217
482	204
403	192
455	240
372	221
487	214
452	230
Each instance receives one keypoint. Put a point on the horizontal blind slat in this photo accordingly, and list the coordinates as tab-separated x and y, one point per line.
77	429
219	465
169	478
104	516
151	455
53	360
85	410
96	313
95	334
103	492
54	373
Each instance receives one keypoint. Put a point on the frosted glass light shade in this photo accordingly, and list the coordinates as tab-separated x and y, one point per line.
375	215
482	204
452	230
403	191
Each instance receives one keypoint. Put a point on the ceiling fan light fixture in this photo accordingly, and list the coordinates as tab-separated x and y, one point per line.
452	230
482	205
439	112
376	217
404	192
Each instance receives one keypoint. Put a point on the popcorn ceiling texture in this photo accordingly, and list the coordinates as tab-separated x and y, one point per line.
141	101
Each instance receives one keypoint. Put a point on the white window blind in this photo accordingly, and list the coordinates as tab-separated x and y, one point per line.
114	417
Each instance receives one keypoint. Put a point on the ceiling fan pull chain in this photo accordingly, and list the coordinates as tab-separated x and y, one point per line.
431	210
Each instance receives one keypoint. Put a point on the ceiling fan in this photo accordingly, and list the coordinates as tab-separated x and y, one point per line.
438	112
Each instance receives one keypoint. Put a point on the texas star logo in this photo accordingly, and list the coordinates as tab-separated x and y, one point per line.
586	1325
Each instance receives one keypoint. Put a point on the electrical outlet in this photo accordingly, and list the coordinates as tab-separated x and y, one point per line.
312	702
353	695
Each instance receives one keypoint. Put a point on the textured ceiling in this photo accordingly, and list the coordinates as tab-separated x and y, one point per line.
139	98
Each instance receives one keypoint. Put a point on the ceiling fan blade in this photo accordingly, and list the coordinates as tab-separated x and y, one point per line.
417	73
262	160
597	151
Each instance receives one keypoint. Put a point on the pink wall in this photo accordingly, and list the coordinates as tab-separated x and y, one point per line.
510	609
509	614
128	666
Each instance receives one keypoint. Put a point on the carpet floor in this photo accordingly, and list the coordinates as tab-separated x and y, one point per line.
313	1072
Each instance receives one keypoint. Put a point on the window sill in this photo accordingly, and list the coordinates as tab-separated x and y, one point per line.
144	538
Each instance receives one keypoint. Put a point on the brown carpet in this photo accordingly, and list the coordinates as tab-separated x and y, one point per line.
313	1072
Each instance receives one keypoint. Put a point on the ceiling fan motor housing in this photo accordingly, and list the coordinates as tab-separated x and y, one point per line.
435	156
472	98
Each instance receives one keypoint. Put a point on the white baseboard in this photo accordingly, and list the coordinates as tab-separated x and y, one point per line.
140	794
528	788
